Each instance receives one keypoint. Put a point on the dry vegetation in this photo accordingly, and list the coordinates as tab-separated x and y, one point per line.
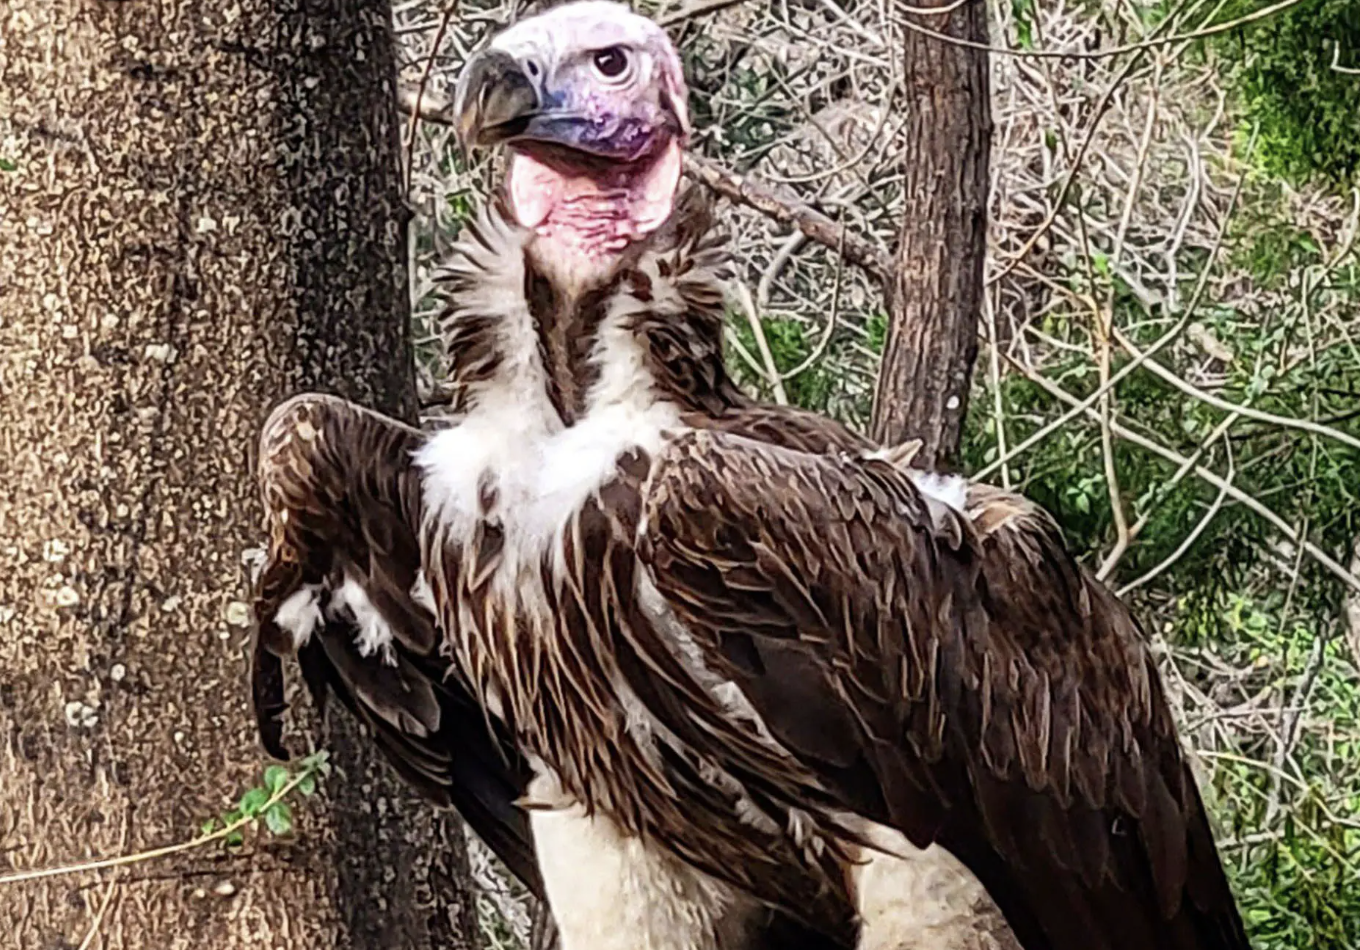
1171	360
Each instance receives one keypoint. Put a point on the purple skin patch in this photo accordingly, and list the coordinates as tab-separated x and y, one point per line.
623	139
596	126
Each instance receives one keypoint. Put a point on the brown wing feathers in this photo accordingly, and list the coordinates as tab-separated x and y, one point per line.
1004	703
343	504
1123	810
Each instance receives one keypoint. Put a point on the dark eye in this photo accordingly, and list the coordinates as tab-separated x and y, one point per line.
611	62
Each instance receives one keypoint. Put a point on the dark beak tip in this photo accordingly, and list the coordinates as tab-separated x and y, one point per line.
495	98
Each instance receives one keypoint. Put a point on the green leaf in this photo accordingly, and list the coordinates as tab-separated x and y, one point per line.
1023	11
8	165
235	839
275	778
278	818
208	827
318	762
253	800
307	784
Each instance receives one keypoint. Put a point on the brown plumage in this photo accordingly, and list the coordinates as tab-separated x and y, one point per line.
1004	703
345	506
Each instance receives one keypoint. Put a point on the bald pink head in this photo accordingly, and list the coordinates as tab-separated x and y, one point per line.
591	99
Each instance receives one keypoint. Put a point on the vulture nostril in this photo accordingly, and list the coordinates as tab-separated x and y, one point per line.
532	68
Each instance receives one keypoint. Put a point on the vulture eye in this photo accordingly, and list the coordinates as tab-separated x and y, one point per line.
611	62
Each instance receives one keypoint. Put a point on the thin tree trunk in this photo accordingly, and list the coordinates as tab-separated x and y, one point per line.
937	289
203	216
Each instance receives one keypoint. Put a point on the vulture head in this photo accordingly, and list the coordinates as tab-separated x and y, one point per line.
590	99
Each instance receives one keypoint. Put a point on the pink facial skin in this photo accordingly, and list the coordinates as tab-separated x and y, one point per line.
595	213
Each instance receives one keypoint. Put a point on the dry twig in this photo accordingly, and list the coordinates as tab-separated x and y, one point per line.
419	97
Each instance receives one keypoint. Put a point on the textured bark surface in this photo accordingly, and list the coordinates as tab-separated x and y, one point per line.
204	217
937	289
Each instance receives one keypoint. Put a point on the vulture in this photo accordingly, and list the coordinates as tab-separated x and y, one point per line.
708	674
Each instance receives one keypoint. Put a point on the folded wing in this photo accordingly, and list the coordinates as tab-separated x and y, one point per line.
342	588
952	673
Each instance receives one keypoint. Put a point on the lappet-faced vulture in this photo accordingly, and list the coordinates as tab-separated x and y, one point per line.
740	659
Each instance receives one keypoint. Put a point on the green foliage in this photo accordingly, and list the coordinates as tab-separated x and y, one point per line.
790	348
275	778
1022	11
278	818
1293	857
717	80
1269	248
877	329
462	205
1281	71
268	801
253	801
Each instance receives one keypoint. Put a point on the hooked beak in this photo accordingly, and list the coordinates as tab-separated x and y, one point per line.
495	101
499	101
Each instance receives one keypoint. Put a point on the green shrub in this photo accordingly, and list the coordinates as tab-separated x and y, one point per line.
1280	70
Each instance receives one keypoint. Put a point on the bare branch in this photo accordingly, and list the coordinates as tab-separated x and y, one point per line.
1213	478
420	91
1105	322
1196	34
788	210
1190	538
1336	62
697	9
770	371
1270	418
1353	606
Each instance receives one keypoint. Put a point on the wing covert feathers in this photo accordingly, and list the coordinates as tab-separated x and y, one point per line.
342	507
979	688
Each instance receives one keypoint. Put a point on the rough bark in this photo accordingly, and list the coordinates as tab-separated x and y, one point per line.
937	287
205	216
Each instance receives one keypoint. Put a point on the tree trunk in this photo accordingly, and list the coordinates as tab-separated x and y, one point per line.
937	289
200	212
